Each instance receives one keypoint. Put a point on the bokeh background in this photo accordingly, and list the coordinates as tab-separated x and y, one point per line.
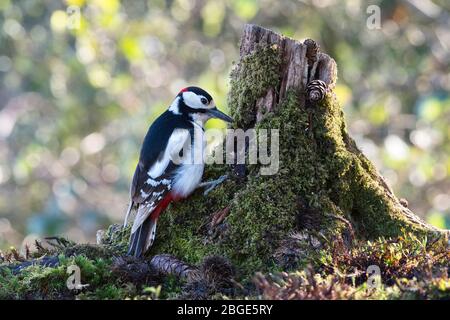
77	96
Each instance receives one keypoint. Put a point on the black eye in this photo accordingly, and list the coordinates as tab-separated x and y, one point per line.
204	100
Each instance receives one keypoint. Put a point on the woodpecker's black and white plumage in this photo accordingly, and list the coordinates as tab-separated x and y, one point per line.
161	176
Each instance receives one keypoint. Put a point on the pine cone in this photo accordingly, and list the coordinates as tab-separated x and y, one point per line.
316	91
312	49
170	265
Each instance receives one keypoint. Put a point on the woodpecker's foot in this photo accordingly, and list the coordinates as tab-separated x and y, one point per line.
211	185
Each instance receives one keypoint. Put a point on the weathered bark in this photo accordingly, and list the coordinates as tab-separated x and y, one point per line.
301	63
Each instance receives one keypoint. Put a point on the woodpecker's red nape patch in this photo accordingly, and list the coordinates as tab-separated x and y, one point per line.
184	89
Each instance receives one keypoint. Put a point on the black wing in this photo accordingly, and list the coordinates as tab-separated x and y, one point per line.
152	180
153	149
153	184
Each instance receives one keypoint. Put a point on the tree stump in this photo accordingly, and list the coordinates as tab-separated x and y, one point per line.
325	191
311	75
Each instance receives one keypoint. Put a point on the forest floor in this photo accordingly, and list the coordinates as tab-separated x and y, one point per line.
404	268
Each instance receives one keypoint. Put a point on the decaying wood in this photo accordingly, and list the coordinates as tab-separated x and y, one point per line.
301	63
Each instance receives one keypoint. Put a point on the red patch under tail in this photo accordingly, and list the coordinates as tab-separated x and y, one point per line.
170	197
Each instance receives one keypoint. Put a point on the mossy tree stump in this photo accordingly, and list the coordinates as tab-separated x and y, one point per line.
325	187
299	69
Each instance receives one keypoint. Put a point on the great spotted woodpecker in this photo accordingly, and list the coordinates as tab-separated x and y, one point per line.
159	179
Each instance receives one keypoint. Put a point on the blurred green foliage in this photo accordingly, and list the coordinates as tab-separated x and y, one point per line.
77	95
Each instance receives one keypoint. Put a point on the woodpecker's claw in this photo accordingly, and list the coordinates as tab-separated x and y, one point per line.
211	185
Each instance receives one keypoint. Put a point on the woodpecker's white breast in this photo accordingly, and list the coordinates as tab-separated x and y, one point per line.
187	179
189	174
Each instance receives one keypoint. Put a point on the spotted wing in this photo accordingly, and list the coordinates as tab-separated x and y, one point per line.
151	194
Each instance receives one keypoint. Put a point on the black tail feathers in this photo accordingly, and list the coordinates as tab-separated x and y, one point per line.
142	239
138	240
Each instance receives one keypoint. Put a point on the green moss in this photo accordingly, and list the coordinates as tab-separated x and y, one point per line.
256	73
34	283
91	251
39	282
116	238
351	177
109	291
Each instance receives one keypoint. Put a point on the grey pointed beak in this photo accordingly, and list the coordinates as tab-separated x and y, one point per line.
216	113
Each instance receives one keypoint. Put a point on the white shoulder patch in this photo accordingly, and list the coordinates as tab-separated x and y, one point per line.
176	142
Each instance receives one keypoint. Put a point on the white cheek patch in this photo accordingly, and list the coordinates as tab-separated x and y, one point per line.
192	100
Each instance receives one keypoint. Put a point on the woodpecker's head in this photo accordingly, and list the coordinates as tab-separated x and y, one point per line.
197	104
